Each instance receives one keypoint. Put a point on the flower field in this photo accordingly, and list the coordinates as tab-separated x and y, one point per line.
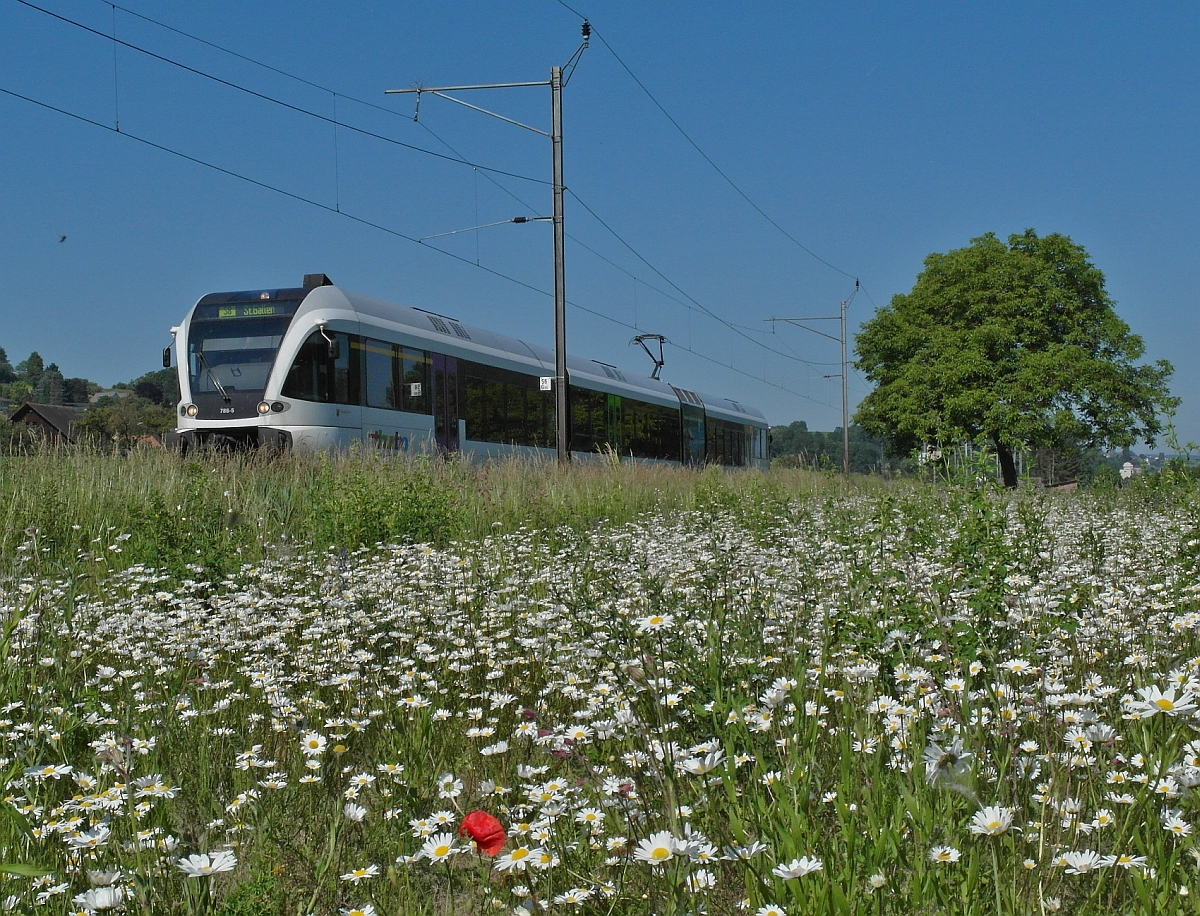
913	702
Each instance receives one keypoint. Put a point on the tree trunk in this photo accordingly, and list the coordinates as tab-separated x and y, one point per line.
1008	466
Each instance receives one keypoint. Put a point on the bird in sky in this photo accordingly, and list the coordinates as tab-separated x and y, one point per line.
61	239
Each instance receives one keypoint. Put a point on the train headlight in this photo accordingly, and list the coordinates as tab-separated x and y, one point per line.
189	410
264	408
278	406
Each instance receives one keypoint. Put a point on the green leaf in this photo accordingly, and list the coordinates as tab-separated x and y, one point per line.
841	905
1142	890
1009	345
24	871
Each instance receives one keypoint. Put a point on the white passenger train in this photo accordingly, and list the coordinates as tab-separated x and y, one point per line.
318	367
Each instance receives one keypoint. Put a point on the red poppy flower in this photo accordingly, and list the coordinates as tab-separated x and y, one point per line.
485	830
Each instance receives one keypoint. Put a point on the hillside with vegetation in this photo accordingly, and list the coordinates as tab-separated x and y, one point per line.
122	414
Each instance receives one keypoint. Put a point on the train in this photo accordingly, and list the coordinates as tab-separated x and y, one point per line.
318	367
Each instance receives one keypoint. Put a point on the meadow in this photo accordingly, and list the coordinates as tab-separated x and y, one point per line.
358	687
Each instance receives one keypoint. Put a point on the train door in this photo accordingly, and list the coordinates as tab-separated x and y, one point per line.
692	418
614	423
445	402
344	374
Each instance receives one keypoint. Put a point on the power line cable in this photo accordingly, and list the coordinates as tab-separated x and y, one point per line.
458	157
696	307
703	308
788	346
783	343
524	203
266	98
709	160
243	57
307	82
704	155
378	226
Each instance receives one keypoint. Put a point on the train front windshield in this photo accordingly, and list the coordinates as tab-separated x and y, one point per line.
233	347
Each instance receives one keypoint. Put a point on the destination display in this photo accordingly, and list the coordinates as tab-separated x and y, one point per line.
247	311
223	311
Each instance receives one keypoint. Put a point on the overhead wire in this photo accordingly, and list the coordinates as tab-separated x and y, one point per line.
784	343
457	155
608	260
582	244
788	346
696	146
262	184
300	198
242	57
457	158
703	308
274	101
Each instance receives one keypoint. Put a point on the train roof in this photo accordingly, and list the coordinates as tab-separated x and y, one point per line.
467	338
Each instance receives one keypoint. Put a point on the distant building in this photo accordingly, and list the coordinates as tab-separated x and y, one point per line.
55	422
1128	469
117	393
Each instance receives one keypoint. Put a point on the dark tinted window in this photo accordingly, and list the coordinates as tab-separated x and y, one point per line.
589	421
730	443
237	352
414	380
505	406
628	426
650	430
317	374
395	378
381	364
693	433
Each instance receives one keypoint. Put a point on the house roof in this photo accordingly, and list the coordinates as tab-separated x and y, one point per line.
57	416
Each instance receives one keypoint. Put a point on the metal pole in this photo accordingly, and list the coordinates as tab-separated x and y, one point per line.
560	291
561	386
845	403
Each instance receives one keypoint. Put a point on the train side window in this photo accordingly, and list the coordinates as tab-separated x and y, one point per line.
381	364
650	430
667	438
633	428
347	370
589	419
313	376
452	401
734	444
414	380
307	379
725	441
539	412
500	405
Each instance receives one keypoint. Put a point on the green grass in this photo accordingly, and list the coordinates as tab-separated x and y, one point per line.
58	506
599	656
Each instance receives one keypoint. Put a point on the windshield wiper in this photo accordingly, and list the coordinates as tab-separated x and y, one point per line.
213	376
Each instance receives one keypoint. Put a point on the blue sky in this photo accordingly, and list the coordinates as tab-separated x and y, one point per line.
872	133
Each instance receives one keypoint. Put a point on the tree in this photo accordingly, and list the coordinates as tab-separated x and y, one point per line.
30	370
795	445
160	387
123	420
49	387
78	390
7	372
1015	345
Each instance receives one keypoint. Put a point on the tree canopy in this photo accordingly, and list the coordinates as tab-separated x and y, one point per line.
795	445
1014	345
